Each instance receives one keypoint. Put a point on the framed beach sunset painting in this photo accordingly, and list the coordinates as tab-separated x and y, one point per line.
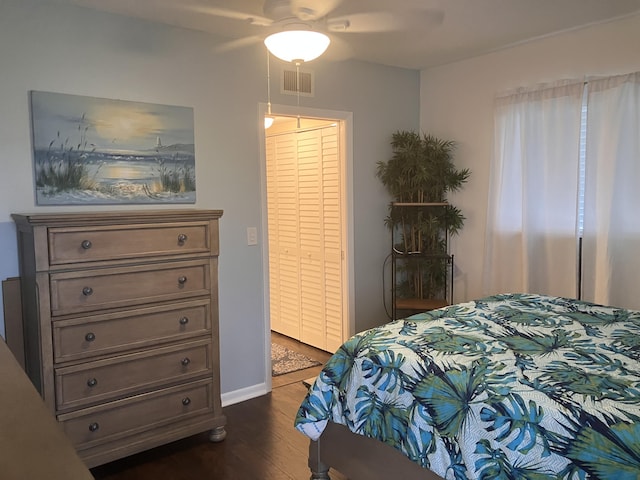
89	150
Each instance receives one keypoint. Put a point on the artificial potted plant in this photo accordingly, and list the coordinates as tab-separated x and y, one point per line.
418	177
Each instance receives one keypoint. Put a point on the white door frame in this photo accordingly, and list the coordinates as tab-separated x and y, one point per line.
346	133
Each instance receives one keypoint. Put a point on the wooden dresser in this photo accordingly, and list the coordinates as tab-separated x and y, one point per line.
120	317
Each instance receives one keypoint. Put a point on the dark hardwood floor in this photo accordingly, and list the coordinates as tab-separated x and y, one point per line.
261	442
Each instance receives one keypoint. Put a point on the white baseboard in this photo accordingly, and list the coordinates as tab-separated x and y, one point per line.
237	396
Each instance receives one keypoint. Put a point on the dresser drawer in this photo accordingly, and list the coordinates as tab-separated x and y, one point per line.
103	380
129	416
91	244
104	288
86	337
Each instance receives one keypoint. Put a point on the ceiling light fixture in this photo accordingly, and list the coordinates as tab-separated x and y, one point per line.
297	45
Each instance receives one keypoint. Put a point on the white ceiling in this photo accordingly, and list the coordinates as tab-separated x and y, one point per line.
405	33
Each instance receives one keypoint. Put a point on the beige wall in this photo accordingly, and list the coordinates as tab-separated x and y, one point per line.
456	103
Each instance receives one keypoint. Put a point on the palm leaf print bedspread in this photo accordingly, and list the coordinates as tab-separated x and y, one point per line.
514	386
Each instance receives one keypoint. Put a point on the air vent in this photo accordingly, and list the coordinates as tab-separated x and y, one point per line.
290	83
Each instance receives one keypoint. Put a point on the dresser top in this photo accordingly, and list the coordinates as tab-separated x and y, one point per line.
116	217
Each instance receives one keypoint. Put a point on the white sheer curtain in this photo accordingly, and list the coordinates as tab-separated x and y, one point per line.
611	248
532	214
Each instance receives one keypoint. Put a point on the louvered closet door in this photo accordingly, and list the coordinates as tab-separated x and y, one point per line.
317	217
282	218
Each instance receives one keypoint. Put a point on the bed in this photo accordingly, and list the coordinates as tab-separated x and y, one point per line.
513	386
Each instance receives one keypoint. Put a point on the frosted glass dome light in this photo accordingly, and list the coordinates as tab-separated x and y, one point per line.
297	45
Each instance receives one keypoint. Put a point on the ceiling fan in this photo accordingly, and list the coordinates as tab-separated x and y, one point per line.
329	17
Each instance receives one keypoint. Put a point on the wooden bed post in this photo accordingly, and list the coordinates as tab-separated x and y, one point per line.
319	471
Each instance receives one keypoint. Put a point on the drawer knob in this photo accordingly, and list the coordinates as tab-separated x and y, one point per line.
86	244
182	239
90	337
87	291
184	320
182	280
186	401
94	427
92	382
185	361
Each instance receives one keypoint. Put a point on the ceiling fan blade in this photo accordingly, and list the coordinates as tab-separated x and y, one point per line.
313	9
232	45
364	23
381	22
231	14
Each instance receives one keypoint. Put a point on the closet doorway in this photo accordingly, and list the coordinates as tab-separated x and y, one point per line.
305	172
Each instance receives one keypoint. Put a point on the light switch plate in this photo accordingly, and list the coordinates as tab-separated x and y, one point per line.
252	236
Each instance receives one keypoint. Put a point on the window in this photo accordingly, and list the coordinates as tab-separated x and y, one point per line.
562	216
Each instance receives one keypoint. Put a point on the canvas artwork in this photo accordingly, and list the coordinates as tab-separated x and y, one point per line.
91	150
